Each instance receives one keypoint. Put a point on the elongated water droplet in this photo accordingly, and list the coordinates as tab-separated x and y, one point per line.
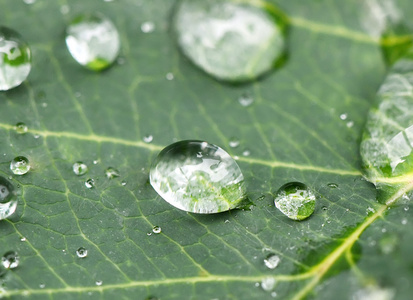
20	165
81	252
295	200
93	41
21	128
272	261
198	177
232	41
15	59
10	260
111	173
156	229
8	204
79	168
90	183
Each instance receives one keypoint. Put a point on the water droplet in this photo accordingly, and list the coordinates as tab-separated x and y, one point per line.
93	41
22	239
98	282
15	59
81	252
388	243
231	41
208	184
10	260
148	138
170	76
245	100
226	221
268	283
343	117
64	9
123	183
272	261
295	200
246	153
257	284
20	165
233	142
370	210
7	195
90	183
21	128
274	294
79	168
156	229
42	285
324	208
374	293
96	161
29	1
406	208
350	124
332	185
111	173
147	27
404	221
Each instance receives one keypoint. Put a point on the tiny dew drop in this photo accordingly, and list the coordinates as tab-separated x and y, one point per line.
156	229
272	261
15	59
343	117
233	142
245	100
10	260
148	138
21	128
90	183
198	177
93	41
170	76
22	239
295	200
42	285
123	183
332	185
8	204
98	282
246	153
147	27
111	173
20	165
268	283
79	168
324	208
81	252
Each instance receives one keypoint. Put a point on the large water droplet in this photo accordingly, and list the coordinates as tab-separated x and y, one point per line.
8	204
20	165
21	128
198	177
10	260
295	200
272	261
79	168
232	41
93	41
81	252
15	59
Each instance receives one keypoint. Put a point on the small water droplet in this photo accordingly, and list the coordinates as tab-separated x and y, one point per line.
406	208
295	200
343	117
79	168
15	62
98	282
226	221
388	243
123	183
22	239
233	142
10	260
8	204
20	165
246	153
374	293
332	185
42	285
324	208
29	1
208	184
272	261
147	27
44	104
36	136
274	294
245	100
93	41
170	76
257	284
111	173
21	128
404	221
370	210
148	138
268	283
81	252
350	124
64	9
90	183
149	233
156	229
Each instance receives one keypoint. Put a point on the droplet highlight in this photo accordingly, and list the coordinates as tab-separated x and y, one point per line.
10	260
231	41
20	165
156	229
198	177
8	204
79	168
81	252
272	261
15	59
21	128
295	200
93	41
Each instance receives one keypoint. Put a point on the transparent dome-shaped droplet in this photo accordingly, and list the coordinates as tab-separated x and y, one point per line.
20	165
268	283
90	183
245	100
233	142
272	261
123	183
21	128
93	41
111	173
8	204
15	59
10	260
98	282
198	177
147	27
332	185
230	40
42	285
156	229
148	138
79	168
81	252
295	200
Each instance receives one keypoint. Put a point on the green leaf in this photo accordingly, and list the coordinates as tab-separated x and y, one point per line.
352	245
